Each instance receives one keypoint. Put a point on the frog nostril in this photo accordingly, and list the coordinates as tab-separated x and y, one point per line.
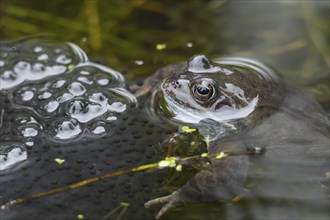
176	84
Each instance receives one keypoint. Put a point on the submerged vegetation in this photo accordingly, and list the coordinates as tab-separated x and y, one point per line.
289	35
186	151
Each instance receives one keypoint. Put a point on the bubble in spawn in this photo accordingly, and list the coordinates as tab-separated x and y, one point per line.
11	155
65	129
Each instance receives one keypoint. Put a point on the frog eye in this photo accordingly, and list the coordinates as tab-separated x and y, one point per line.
203	91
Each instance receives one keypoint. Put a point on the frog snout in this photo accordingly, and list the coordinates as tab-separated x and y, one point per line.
171	84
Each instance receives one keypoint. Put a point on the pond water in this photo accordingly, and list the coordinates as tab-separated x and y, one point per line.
58	106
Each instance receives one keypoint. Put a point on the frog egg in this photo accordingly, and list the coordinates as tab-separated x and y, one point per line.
77	106
117	107
103	82
11	155
44	95
49	106
65	97
84	79
98	97
102	79
84	72
9	79
97	128
37	49
37	71
27	95
65	129
76	89
63	59
58	84
8	76
43	57
29	130
29	143
84	110
38	68
24	119
111	118
58	50
100	73
22	67
24	94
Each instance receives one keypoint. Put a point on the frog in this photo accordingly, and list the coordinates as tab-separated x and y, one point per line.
239	104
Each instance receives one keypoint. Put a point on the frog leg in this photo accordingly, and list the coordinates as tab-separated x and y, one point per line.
169	200
171	144
223	181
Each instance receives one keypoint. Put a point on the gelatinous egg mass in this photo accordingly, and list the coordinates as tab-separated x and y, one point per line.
57	106
62	95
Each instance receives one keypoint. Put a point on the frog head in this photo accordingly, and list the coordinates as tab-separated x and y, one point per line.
209	90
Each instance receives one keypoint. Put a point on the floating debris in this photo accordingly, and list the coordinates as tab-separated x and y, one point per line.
188	129
59	161
161	46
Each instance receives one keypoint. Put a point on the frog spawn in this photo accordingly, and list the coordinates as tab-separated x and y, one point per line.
63	96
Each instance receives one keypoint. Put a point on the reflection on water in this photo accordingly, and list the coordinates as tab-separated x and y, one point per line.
58	97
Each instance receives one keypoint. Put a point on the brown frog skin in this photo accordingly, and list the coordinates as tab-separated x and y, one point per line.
257	109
